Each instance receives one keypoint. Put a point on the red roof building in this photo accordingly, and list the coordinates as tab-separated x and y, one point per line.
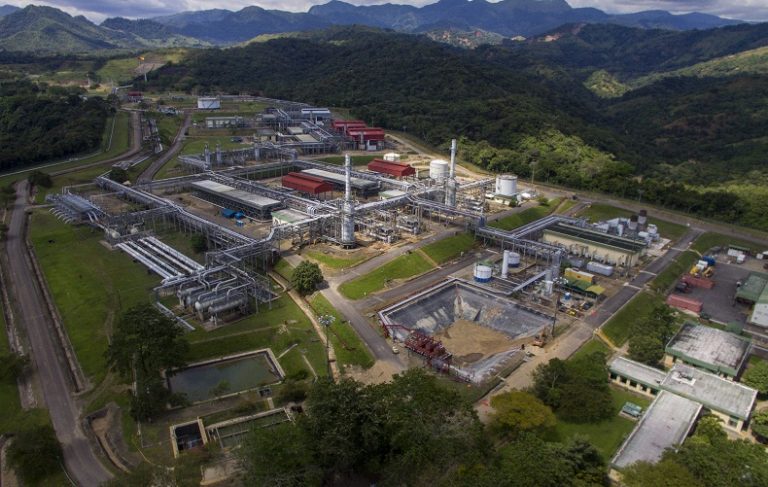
305	183
344	125
392	168
372	134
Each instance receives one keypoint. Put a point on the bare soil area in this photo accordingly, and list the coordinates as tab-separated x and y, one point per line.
470	342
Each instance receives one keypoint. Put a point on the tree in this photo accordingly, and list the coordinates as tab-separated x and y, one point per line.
760	424
39	178
646	349
150	397
281	456
7	195
35	453
756	376
306	277
518	412
3	231
199	243
147	340
666	473
12	365
118	174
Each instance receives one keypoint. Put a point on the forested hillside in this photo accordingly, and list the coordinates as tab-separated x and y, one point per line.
666	142
38	123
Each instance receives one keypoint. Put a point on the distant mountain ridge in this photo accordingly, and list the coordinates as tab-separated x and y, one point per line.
46	29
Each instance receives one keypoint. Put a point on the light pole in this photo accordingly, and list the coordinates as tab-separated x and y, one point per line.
327	321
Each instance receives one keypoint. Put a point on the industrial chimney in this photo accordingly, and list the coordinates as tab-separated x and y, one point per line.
348	208
450	183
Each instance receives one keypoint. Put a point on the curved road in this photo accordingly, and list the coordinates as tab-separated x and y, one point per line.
32	314
149	173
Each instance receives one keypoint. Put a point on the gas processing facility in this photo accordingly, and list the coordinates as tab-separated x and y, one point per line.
249	205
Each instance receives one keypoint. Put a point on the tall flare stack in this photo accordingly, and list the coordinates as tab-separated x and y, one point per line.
450	183
348	207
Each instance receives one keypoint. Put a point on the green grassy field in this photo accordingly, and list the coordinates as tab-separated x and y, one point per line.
566	205
593	345
449	248
284	269
607	435
168	127
526	216
90	285
599	212
196	145
664	280
277	328
335	262
356	160
350	350
405	266
9	393
708	240
619	327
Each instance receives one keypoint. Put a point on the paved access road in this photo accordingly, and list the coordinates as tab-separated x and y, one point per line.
32	314
149	173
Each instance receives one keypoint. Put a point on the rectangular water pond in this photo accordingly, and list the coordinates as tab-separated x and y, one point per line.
241	373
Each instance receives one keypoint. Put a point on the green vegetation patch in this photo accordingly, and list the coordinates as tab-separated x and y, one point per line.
607	435
403	267
526	216
277	328
9	392
619	327
449	248
90	284
664	281
350	350
284	269
591	346
709	240
335	262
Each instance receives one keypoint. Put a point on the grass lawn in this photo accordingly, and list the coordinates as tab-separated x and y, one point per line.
526	216
349	349
356	160
618	328
403	267
566	205
9	393
708	240
277	328
120	143
593	345
335	262
607	435
285	269
598	212
196	146
449	248
90	285
664	280
168	126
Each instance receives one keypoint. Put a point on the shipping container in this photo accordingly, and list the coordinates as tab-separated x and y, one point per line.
577	275
701	282
681	302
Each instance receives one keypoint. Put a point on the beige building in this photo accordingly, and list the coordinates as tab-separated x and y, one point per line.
594	245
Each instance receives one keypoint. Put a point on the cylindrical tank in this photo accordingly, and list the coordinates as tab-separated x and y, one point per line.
438	169
392	157
642	218
506	185
548	286
514	259
505	264
633	222
483	273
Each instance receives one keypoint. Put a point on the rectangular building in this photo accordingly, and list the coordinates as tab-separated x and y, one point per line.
713	350
751	289
224	122
759	315
666	424
594	245
208	103
395	169
361	186
226	196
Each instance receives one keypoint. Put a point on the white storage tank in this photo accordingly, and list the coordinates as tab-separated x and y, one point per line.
506	185
439	168
598	268
392	157
514	259
483	272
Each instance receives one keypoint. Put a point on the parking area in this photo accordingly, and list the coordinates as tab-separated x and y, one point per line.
719	301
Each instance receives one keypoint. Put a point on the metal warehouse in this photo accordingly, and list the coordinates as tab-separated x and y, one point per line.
595	245
361	186
392	168
250	204
305	183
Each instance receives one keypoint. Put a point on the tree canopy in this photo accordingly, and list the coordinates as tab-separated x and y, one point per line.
35	453
756	376
306	277
519	412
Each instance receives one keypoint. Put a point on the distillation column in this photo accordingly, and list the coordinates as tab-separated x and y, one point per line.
348	207
450	183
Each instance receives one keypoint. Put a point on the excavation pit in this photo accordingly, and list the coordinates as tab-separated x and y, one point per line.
483	332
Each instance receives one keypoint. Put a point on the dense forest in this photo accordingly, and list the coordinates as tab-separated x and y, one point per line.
690	144
40	123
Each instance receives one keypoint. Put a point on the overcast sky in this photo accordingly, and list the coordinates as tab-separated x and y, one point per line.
98	10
